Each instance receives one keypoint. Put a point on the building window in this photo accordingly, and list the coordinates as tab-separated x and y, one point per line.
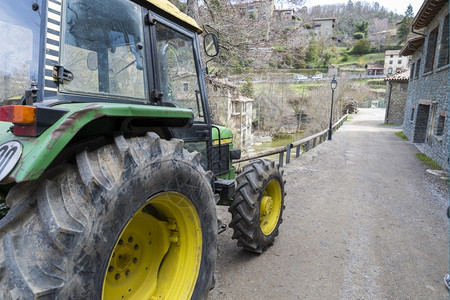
390	71
185	87
416	73
431	50
392	56
440	125
443	51
390	62
412	113
399	61
411	74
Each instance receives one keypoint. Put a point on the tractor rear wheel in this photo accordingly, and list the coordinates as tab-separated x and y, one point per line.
258	205
132	220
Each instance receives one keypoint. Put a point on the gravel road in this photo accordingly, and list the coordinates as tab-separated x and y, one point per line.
363	220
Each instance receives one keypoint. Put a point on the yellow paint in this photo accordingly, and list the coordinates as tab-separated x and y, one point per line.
223	141
174	11
157	258
270	207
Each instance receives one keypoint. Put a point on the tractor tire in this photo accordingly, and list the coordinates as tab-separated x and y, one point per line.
258	205
135	219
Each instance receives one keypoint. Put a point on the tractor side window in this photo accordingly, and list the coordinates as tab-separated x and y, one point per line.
19	51
177	70
103	48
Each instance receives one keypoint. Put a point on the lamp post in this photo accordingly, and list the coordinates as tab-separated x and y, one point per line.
333	87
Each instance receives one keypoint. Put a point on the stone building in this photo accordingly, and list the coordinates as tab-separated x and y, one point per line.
285	17
426	109
324	26
256	9
395	97
395	62
232	110
375	70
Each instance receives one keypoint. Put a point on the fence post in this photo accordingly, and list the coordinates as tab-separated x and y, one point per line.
288	153
281	159
307	146
297	151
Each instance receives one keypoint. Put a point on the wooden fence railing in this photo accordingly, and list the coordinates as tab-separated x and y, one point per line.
303	145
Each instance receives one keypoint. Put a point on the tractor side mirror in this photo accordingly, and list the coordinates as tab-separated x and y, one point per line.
211	44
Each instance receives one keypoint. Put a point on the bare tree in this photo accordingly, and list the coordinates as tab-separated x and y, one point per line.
192	9
378	31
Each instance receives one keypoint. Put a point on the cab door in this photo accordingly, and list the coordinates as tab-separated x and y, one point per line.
178	81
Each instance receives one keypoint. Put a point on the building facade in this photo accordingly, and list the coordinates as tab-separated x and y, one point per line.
324	26
394	62
426	109
230	109
395	97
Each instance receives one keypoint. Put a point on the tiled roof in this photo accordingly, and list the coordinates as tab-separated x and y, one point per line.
400	76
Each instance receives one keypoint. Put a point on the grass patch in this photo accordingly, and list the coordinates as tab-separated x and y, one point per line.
428	161
389	124
401	135
349	117
355	59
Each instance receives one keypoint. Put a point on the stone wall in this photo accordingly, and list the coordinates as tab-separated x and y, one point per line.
395	111
426	109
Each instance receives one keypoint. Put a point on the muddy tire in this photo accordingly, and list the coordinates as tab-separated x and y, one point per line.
131	220
258	205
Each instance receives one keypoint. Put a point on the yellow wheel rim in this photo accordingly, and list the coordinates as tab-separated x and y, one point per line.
158	253
270	207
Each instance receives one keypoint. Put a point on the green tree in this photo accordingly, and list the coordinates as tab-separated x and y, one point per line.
404	28
312	52
361	47
362	27
247	89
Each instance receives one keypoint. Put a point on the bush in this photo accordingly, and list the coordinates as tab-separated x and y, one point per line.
358	35
361	47
345	58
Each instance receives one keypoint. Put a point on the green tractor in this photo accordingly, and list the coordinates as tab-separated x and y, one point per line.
110	168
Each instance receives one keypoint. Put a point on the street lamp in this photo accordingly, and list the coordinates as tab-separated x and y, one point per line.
333	87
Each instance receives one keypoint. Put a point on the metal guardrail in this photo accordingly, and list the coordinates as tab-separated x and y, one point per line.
304	144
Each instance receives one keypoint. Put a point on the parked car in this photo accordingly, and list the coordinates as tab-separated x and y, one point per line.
317	76
301	77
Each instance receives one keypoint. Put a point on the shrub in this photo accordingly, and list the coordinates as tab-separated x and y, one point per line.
358	35
361	47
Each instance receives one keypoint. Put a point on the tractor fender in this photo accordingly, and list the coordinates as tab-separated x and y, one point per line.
39	152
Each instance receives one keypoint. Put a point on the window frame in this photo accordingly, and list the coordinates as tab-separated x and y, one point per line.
431	46
444	44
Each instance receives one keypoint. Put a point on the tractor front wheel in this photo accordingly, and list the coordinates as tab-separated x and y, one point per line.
132	220
258	205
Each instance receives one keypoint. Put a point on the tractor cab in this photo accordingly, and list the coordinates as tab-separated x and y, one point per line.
82	51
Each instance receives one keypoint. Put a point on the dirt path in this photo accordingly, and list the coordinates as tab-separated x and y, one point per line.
363	220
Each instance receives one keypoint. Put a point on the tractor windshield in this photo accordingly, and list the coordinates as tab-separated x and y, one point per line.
19	53
103	48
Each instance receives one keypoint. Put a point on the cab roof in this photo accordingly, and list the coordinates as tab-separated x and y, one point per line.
172	10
